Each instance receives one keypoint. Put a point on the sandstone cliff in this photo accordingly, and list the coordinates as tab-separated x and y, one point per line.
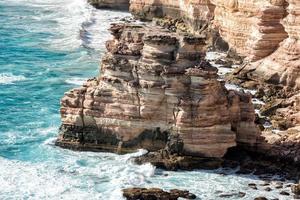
196	13
283	66
156	91
251	28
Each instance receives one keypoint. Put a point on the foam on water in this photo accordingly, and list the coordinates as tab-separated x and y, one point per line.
76	81
47	47
9	78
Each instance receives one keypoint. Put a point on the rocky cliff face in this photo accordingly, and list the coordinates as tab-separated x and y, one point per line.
252	28
283	66
196	13
156	91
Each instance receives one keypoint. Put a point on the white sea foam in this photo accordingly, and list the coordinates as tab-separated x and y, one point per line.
76	81
238	88
9	78
212	55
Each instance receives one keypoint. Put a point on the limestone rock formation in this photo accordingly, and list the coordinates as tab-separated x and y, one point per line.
195	13
155	91
283	66
252	28
110	4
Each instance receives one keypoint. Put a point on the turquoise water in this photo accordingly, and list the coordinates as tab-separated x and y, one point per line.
46	48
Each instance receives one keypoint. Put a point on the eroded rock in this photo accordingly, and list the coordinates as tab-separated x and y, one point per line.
156	91
156	194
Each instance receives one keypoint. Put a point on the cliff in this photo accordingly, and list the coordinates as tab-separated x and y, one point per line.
283	66
155	91
195	13
266	34
252	28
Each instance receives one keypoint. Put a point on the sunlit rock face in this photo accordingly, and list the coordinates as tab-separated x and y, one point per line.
110	4
155	91
283	66
195	13
252	28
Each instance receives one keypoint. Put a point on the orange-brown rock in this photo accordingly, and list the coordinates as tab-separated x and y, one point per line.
155	91
195	13
252	28
283	66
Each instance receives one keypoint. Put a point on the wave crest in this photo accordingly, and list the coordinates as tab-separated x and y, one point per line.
9	78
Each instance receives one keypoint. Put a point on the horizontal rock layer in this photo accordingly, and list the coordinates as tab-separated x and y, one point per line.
155	91
267	34
196	13
252	28
283	66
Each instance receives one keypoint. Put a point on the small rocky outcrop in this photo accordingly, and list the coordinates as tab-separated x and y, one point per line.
155	91
296	190
110	4
156	194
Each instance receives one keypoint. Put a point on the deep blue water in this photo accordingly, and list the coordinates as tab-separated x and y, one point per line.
46	48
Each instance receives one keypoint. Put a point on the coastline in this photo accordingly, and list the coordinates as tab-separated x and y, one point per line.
255	159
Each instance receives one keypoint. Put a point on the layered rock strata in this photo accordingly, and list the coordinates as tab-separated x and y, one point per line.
155	91
252	28
196	13
281	72
283	66
110	4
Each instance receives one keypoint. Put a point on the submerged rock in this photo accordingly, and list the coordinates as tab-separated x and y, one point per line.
156	194
296	191
110	4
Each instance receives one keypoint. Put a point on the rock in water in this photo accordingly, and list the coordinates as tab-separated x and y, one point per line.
110	4
296	190
155	91
156	194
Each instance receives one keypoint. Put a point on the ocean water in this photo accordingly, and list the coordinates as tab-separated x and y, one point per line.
46	48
